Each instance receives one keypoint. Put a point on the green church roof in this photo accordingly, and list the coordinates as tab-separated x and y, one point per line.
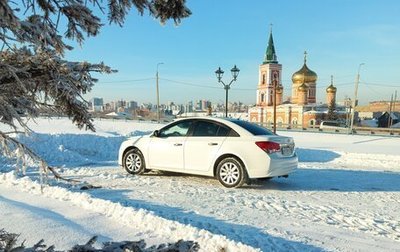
270	55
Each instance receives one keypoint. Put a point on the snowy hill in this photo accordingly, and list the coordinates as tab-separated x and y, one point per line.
344	197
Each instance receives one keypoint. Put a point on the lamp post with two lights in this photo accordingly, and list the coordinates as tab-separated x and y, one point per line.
219	73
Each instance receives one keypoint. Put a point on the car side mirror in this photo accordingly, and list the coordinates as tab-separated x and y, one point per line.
156	133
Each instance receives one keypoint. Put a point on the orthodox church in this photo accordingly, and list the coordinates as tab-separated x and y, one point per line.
301	109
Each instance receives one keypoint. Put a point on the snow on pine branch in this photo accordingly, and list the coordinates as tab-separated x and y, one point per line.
37	22
31	82
39	79
12	148
9	242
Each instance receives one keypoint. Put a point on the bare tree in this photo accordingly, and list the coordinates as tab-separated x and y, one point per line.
33	72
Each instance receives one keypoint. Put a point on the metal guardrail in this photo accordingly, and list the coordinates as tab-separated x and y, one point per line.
372	131
356	130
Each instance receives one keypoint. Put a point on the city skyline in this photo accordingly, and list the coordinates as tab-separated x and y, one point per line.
126	103
338	36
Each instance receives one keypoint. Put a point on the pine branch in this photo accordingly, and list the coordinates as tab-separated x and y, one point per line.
10	145
8	242
61	82
58	176
42	30
33	74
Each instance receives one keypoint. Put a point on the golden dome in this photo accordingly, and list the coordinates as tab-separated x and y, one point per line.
331	89
304	75
303	88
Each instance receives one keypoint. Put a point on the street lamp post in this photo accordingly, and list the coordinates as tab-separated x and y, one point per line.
348	110
158	94
275	84
219	73
355	98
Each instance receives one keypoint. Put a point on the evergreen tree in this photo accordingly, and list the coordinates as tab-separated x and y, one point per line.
332	115
34	75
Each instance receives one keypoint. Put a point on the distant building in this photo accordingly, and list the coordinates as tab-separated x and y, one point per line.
147	106
132	105
189	107
301	110
97	104
387	119
113	106
376	108
121	104
202	105
108	107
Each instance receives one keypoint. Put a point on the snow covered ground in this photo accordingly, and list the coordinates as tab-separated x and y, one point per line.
344	197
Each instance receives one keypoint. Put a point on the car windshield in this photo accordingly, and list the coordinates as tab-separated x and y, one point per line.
253	128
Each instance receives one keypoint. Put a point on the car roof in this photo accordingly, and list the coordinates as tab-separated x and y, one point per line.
227	121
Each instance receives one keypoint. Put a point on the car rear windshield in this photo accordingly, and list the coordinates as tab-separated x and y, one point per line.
253	128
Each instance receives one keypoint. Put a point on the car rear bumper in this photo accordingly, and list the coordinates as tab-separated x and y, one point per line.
277	167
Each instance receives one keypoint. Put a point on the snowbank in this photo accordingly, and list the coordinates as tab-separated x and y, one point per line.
143	220
73	149
360	173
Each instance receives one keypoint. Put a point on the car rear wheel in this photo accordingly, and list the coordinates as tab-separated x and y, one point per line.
133	162
231	173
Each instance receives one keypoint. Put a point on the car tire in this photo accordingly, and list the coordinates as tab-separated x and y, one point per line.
231	172
133	162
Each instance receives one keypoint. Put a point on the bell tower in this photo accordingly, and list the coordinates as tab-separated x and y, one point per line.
270	73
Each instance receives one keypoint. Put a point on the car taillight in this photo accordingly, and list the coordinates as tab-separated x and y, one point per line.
269	147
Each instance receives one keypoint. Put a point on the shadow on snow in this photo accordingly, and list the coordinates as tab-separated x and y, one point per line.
334	180
44	214
315	155
245	234
306	179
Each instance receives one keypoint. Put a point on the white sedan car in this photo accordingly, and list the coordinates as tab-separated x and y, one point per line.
232	150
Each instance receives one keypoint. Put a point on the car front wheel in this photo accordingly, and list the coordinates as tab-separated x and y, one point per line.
133	162
230	172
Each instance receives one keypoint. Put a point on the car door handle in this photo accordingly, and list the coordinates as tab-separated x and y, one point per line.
177	144
211	144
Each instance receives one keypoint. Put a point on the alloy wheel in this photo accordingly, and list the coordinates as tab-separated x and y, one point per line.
133	162
230	173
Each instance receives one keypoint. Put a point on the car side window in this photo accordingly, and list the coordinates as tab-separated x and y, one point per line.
176	130
223	131
204	128
207	128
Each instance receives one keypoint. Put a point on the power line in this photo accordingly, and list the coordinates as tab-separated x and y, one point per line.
338	85
191	84
380	84
206	86
374	91
237	88
135	80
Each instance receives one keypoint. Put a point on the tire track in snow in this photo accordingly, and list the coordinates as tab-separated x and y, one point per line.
143	220
223	223
340	216
242	202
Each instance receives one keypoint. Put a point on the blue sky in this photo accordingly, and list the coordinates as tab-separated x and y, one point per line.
337	34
